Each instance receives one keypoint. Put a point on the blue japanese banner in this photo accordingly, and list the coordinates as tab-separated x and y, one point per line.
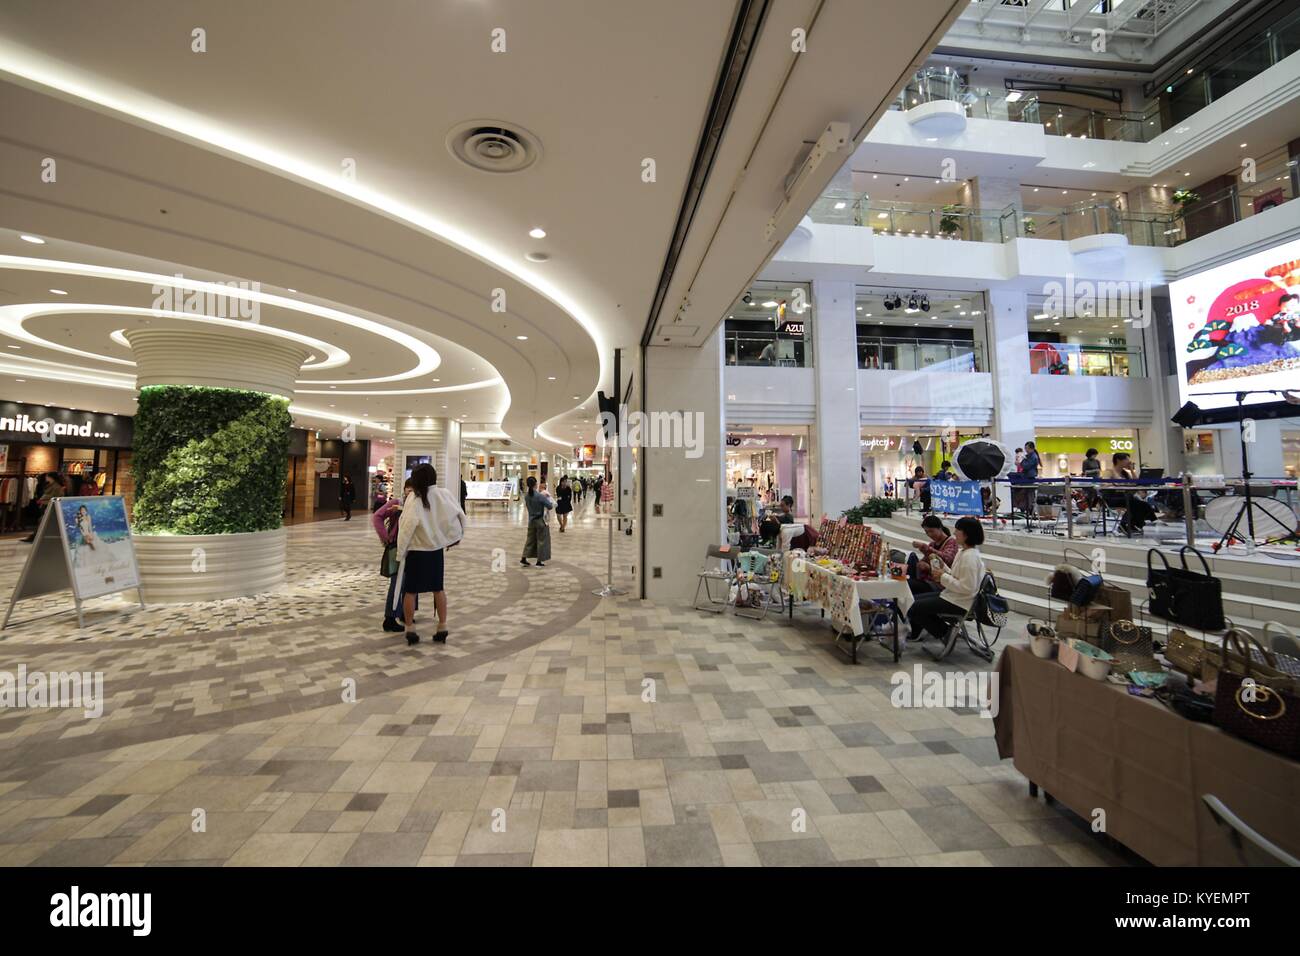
956	497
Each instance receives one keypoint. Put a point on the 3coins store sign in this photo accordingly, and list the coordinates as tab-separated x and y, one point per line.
32	424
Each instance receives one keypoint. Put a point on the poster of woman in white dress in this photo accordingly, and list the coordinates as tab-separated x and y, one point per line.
98	539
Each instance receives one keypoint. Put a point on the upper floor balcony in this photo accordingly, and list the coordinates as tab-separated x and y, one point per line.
1172	105
1194	215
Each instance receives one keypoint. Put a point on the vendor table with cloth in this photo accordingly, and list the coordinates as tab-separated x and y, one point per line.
840	595
1092	745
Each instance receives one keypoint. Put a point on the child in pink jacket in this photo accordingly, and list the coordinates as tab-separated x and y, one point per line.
384	520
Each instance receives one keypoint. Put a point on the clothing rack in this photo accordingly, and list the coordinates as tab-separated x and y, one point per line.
11	512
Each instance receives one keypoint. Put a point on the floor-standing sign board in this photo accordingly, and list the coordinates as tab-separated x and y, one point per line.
82	544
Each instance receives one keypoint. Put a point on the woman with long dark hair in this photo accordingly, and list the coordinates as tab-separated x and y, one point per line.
431	522
538	544
563	502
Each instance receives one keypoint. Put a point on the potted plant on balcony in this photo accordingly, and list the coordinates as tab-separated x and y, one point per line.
1184	197
1030	226
950	223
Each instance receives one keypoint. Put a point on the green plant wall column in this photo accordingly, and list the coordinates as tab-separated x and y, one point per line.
209	460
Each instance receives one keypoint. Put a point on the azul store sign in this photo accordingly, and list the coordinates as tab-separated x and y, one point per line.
63	426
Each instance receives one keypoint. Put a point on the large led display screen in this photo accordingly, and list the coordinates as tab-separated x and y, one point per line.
1237	328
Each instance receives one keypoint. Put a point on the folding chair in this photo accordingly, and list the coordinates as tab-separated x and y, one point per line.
724	571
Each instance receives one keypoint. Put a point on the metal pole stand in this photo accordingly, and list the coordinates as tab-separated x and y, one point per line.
609	590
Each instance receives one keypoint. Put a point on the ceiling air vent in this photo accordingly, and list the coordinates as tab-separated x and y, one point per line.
493	147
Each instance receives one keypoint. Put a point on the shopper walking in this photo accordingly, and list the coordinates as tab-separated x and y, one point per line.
431	522
595	487
563	502
960	582
347	495
385	521
538	543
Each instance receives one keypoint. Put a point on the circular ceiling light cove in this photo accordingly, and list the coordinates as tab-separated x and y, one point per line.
171	118
427	356
490	146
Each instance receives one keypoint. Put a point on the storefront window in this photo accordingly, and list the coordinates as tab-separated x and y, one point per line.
921	330
1092	342
1063	454
767	462
891	456
771	325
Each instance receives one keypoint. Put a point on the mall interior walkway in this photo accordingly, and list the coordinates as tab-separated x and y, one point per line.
531	718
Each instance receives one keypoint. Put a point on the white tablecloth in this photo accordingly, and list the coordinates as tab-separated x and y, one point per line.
840	594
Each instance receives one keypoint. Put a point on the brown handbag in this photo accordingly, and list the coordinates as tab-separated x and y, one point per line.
1132	646
1261	709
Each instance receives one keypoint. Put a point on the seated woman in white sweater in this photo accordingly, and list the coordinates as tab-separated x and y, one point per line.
959	584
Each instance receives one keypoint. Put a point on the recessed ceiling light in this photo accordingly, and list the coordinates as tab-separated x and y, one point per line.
20	380
15	346
537	233
577	398
36	239
840	205
550	378
291	290
58	292
522	338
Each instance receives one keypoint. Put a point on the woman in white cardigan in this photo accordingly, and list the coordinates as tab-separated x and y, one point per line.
959	584
431	521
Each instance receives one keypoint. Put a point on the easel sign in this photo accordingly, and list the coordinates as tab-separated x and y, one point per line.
83	544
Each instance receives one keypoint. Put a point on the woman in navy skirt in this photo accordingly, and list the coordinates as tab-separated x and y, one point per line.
431	522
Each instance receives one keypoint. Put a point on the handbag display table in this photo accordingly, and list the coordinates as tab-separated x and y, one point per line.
1091	745
840	595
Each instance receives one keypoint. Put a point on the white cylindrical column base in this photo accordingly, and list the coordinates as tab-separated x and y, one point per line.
216	358
178	569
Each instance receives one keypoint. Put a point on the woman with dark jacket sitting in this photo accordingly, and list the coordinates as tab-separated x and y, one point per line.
920	580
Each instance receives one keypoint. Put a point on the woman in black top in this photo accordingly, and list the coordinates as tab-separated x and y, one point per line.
563	502
347	495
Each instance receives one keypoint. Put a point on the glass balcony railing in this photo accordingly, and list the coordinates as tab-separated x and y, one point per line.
919	354
923	220
1265	188
1066	358
765	349
1187	96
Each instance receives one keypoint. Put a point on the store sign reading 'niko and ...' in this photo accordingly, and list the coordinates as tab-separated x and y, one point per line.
63	426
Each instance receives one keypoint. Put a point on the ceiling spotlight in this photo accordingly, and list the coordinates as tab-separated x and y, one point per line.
746	298
522	338
550	378
58	292
925	303
34	239
537	233
770	304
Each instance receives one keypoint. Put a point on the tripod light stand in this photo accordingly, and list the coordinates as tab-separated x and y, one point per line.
1250	510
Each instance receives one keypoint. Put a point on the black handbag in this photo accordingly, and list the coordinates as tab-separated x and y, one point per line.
1187	597
991	608
388	563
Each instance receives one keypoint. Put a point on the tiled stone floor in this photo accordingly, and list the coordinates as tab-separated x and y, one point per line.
523	741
